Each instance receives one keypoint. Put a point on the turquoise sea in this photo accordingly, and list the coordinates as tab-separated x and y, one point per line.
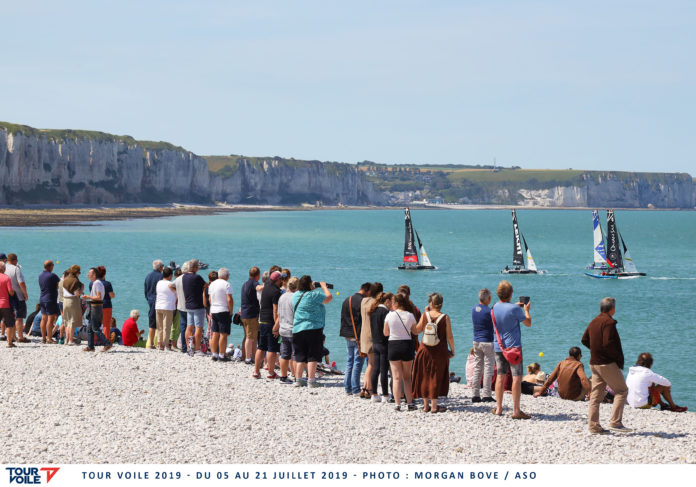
344	247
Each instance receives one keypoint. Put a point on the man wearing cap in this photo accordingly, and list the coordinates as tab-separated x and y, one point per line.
48	283
269	326
19	303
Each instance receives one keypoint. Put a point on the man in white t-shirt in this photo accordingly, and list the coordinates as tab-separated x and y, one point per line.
645	387
181	304
221	306
165	304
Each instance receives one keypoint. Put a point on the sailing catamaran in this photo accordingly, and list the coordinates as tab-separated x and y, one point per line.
414	260
518	266
610	264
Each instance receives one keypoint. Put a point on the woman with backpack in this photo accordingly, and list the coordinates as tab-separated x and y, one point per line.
431	366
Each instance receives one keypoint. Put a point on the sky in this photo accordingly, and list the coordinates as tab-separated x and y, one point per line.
538	84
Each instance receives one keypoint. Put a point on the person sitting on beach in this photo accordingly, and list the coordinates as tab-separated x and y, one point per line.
573	384
221	310
532	382
286	316
483	348
115	335
606	364
645	387
507	317
30	320
308	328
130	331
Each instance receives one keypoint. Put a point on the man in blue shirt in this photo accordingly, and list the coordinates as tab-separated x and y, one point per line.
48	283
483	347
151	290
506	319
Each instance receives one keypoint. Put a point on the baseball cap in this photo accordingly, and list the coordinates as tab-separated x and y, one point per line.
277	275
3	256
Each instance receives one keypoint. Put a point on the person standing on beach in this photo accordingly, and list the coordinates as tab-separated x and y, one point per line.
108	296
377	313
221	310
308	329
399	326
72	307
507	317
606	364
269	326
351	327
484	356
165	304
14	271
250	315
96	300
151	291
181	304
194	286
365	334
6	312
48	283
286	317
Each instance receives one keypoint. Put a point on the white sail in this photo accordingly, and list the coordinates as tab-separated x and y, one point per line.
628	264
424	257
530	261
600	257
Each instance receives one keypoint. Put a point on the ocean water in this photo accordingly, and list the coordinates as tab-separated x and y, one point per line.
346	248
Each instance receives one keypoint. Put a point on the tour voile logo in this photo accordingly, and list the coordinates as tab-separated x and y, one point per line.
30	475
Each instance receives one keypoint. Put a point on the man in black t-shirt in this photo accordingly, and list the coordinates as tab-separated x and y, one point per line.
269	326
193	285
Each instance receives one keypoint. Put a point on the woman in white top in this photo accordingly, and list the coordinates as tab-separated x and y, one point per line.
165	304
399	326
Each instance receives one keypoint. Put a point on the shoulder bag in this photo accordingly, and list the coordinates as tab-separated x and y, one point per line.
512	354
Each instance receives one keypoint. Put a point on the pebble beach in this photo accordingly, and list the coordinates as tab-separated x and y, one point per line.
132	405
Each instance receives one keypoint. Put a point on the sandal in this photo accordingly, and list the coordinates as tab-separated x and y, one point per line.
256	376
440	409
494	412
426	409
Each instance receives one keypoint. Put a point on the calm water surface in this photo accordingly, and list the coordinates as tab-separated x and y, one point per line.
655	313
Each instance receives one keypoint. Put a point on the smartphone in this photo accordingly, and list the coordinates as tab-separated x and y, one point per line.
524	299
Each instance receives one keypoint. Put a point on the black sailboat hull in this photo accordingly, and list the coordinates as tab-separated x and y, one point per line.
416	267
518	271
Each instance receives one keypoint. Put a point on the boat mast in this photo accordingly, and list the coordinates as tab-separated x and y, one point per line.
517	257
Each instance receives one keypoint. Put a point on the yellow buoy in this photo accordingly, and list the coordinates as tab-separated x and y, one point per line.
337	293
541	354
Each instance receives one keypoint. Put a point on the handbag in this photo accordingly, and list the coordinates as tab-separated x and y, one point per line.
237	319
355	332
512	354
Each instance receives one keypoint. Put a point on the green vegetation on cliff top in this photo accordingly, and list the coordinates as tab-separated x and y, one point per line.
64	135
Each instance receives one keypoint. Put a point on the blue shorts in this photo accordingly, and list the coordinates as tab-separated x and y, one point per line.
196	317
49	308
267	342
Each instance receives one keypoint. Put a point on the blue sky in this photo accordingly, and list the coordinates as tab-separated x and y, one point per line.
591	85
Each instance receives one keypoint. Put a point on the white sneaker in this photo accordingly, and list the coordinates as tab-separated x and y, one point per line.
385	399
376	398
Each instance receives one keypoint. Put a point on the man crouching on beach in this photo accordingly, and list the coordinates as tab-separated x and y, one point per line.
606	363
